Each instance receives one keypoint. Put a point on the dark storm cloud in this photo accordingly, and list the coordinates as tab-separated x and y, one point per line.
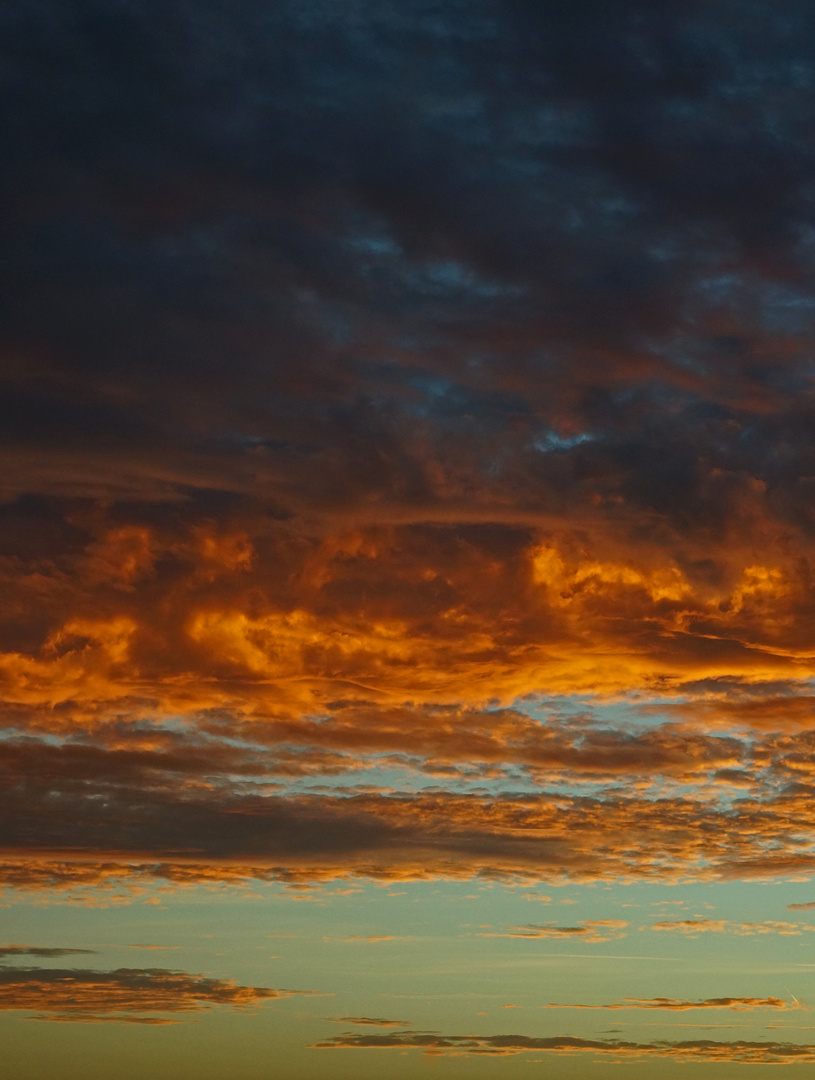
249	245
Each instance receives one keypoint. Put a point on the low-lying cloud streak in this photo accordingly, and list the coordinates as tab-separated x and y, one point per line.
42	951
592	930
737	1004
695	1050
126	995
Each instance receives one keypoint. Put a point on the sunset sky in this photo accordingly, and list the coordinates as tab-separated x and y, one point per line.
407	539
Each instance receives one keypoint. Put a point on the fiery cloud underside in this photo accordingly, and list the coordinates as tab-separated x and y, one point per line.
392	614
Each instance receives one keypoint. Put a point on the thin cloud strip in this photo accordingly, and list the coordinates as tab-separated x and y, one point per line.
737	1004
592	931
696	1050
126	994
693	927
42	951
368	1021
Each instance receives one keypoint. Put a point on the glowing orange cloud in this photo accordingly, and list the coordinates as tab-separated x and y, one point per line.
200	833
251	623
201	669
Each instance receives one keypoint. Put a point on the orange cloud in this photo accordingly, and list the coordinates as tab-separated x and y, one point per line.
204	831
242	618
696	1050
121	557
126	994
693	927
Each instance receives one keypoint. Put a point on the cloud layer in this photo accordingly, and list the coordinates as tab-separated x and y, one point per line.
405	456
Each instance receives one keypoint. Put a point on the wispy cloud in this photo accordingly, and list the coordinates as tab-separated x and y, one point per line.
591	931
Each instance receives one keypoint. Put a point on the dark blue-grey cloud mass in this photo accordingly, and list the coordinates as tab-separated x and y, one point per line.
279	234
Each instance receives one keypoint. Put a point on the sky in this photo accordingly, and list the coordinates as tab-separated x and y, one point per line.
407	539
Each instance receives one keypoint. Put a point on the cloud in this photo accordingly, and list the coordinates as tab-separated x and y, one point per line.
241	833
591	930
354	405
696	1050
38	950
284	655
368	1021
353	738
693	927
128	995
737	1004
